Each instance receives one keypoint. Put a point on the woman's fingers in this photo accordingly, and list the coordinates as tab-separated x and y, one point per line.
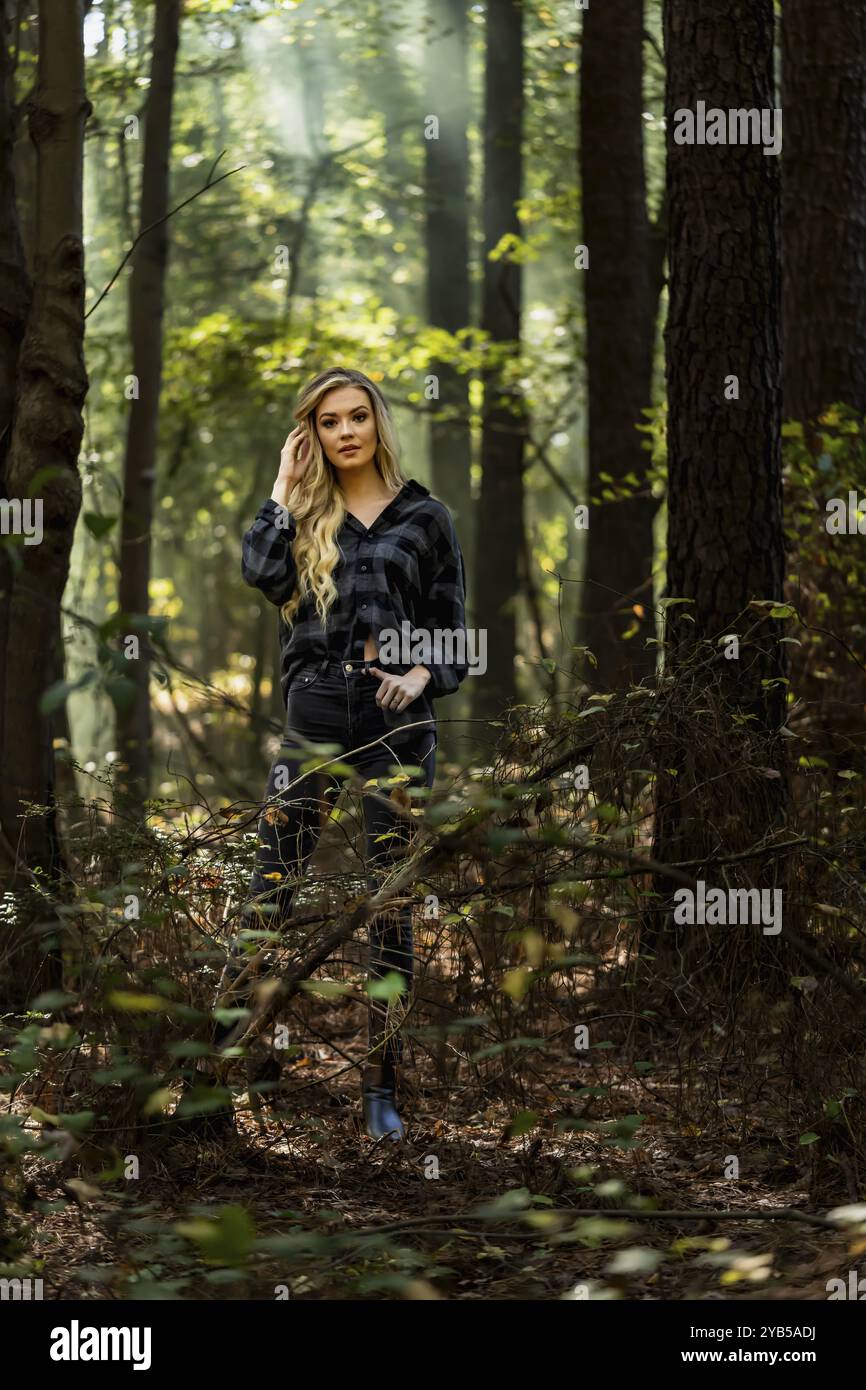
392	697
290	436
387	694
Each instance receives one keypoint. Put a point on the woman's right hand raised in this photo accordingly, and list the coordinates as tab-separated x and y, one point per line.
294	462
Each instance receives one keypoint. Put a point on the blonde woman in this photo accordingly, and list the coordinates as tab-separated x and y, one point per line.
353	554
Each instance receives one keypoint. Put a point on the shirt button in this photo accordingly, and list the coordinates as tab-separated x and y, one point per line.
363	605
363	567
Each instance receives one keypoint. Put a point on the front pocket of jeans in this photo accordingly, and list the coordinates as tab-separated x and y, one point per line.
297	690
419	709
306	678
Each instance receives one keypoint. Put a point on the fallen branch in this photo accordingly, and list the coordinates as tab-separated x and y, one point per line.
765	1214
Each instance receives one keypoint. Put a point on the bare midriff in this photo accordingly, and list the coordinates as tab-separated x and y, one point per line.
370	652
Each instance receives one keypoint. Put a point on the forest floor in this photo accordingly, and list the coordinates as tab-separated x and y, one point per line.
310	1177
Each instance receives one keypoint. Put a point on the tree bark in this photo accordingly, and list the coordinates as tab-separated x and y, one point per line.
24	37
146	310
824	205
620	330
15	288
42	463
15	299
725	538
447	236
500	509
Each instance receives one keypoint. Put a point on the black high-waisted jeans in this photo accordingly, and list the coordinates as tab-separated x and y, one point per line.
334	702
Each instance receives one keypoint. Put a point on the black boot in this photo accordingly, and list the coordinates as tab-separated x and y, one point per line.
380	1110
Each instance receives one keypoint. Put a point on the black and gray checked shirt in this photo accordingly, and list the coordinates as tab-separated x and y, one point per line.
407	568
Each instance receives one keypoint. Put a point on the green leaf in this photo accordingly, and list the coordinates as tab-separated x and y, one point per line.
76	1123
326	989
635	1259
121	692
56	694
52	999
226	1241
388	988
522	1123
517	1199
98	525
136	1003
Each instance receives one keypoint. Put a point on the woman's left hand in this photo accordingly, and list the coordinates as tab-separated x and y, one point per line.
396	692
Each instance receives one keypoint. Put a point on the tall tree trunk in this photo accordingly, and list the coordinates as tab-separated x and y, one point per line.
146	307
14	284
42	463
824	205
446	176
15	289
447	236
15	299
620	330
500	508
824	286
24	36
725	539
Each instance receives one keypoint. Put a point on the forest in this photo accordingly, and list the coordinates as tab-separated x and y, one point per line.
570	1005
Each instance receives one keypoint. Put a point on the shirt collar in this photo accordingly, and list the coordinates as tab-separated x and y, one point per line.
415	486
411	488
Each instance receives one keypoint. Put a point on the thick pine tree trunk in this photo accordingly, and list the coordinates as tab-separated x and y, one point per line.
824	287
24	40
42	462
447	232
824	205
446	175
620	324
500	508
15	298
146	309
725	539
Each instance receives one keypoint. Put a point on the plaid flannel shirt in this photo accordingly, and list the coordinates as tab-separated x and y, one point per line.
406	568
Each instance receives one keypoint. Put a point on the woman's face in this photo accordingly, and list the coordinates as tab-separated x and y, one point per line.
346	427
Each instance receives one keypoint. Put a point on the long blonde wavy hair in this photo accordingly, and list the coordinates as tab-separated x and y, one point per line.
316	501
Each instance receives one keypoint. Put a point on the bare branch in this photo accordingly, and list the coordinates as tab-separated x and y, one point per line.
211	183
